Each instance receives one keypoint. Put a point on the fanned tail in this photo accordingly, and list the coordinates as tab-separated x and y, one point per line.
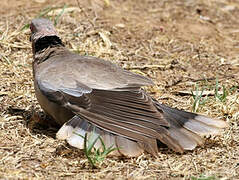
187	128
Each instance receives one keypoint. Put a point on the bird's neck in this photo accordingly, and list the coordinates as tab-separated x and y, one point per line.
45	42
46	47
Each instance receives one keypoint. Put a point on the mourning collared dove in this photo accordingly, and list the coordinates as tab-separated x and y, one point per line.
83	93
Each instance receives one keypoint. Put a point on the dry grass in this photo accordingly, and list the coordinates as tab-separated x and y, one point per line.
176	43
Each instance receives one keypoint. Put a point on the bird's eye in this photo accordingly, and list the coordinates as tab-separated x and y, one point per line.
31	27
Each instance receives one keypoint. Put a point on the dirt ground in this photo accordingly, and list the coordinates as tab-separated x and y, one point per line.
180	44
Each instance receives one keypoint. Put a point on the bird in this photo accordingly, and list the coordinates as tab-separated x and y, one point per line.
83	94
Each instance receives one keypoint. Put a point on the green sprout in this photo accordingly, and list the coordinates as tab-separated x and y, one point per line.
224	94
56	20
198	100
95	155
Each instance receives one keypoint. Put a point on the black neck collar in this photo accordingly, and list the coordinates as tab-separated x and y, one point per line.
46	42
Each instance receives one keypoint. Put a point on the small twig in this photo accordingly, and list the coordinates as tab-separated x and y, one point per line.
205	79
202	79
204	93
147	66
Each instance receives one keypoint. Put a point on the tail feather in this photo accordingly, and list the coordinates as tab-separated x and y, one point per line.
183	139
200	128
187	128
212	122
73	132
198	139
183	117
186	138
75	129
128	147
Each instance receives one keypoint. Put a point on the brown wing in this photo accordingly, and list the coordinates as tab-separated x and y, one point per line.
131	114
67	70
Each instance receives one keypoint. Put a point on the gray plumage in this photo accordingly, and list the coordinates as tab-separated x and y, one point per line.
83	93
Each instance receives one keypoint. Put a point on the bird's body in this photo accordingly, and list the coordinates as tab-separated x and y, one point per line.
83	93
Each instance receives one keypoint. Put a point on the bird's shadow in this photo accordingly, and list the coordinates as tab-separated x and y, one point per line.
40	123
36	121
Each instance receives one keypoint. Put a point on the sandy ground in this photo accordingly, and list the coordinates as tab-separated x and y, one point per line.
179	44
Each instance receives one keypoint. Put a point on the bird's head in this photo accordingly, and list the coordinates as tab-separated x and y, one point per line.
43	34
41	27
